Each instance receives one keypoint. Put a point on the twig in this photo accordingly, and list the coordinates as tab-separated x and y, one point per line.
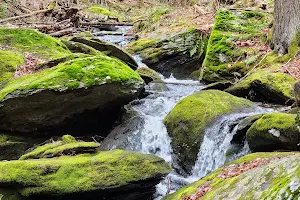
25	16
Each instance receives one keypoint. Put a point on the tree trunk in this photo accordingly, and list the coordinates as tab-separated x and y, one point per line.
286	24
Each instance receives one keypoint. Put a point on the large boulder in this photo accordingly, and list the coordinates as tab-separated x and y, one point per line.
255	176
180	54
235	45
88	90
266	86
189	118
114	174
274	131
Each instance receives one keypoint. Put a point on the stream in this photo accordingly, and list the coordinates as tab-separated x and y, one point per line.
151	135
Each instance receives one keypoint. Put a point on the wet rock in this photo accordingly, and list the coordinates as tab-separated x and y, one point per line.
179	55
106	175
123	135
259	176
189	118
243	127
266	86
72	96
274	131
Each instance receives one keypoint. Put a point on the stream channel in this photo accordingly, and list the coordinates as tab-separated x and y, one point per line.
143	130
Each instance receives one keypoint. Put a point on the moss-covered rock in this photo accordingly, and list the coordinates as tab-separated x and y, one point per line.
274	131
107	175
228	53
255	176
111	49
179	55
149	75
49	98
67	146
32	41
189	118
267	86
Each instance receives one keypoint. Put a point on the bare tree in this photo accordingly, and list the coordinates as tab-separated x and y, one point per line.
286	24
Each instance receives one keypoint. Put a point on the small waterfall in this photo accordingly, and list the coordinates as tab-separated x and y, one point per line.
217	140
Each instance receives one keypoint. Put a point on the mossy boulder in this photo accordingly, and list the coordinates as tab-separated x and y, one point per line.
110	49
87	89
274	131
108	175
32	41
266	86
180	54
149	75
189	118
255	176
234	43
13	146
67	146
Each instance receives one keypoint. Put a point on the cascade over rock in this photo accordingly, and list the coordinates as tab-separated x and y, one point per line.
189	118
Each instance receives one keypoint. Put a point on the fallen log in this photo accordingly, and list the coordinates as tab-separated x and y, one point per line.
25	16
62	32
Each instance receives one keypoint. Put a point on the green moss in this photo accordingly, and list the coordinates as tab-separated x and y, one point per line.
29	40
256	182
224	60
141	44
189	43
187	121
38	152
82	173
147	72
9	62
77	73
100	10
75	147
68	139
277	82
278	130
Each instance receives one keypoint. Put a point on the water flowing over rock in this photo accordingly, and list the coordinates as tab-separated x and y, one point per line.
187	121
217	146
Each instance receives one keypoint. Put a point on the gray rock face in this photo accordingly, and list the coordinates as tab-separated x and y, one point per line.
41	110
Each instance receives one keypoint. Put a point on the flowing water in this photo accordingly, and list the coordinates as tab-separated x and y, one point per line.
151	136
